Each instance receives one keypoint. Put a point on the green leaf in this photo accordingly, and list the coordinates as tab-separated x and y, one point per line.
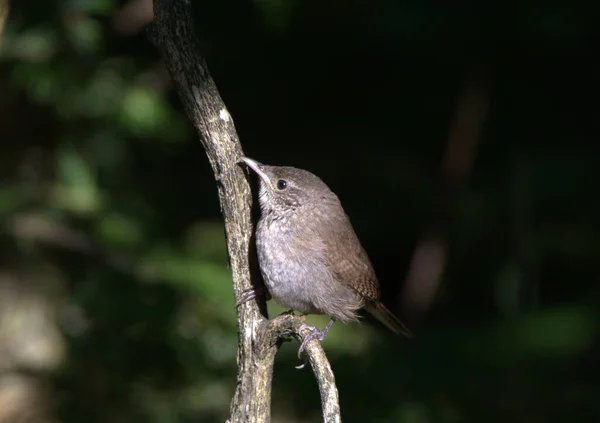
76	189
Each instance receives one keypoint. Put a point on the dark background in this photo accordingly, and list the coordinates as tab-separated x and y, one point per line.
462	140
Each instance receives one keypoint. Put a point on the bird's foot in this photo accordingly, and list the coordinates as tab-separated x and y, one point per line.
250	293
314	333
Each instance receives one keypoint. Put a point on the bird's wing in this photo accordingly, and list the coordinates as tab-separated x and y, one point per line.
351	266
347	258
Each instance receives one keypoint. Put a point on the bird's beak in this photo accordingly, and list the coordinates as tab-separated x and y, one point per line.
257	167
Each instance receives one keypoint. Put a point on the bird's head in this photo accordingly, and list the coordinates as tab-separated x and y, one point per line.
288	188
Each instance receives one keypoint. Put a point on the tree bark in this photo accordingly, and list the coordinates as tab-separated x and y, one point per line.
258	338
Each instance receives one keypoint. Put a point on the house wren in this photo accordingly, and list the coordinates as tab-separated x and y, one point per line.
310	258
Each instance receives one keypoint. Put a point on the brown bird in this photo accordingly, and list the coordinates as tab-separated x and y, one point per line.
310	258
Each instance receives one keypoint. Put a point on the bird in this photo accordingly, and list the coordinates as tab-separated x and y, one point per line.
310	258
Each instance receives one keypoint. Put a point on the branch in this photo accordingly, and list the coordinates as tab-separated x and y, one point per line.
258	339
287	324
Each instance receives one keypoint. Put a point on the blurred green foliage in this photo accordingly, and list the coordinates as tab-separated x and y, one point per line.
109	209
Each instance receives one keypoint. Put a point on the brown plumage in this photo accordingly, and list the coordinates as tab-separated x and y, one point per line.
351	265
309	255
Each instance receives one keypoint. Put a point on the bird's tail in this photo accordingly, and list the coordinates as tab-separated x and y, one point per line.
381	313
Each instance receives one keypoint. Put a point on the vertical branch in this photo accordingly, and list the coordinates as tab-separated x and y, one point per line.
258	339
174	35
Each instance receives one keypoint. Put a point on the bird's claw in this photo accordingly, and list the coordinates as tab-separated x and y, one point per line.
314	333
249	294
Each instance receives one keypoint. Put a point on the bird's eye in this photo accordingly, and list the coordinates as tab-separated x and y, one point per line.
281	184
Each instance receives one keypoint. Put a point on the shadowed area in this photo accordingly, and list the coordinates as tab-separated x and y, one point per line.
461	141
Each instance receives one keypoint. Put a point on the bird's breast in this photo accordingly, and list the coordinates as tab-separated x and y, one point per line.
291	267
281	252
